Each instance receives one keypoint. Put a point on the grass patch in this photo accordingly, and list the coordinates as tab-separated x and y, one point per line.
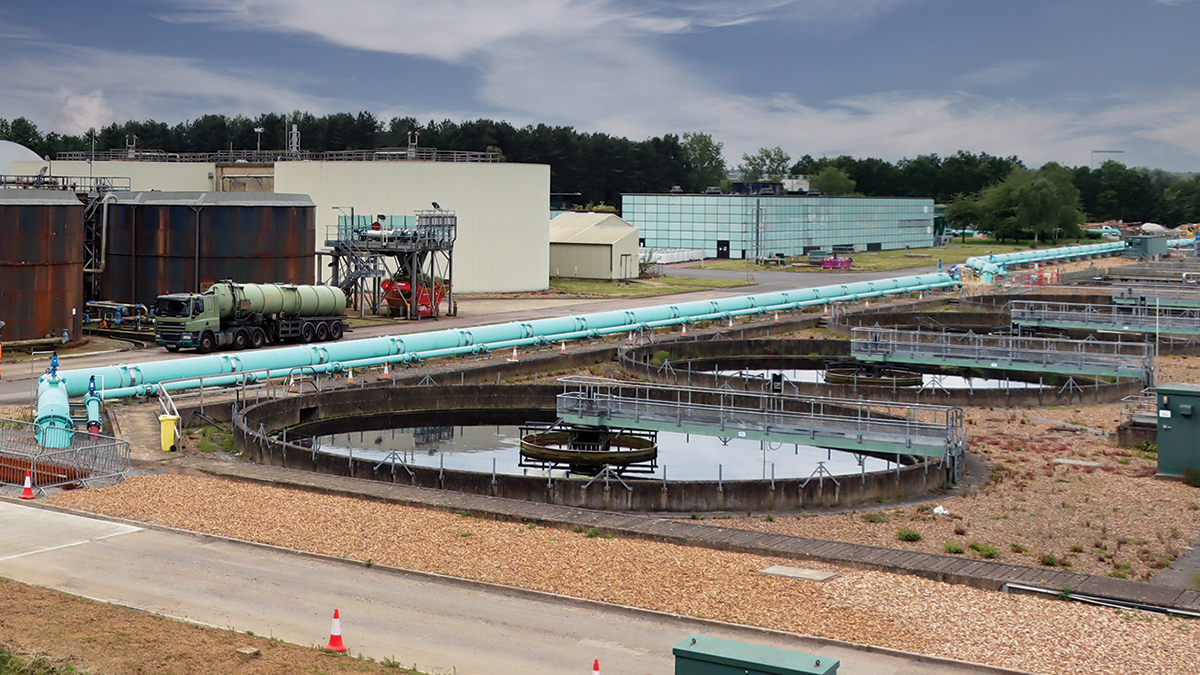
12	664
883	261
983	550
952	547
908	534
596	533
209	439
1195	585
640	288
874	517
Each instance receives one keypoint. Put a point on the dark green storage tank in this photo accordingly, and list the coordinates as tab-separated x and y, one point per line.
699	655
1178	428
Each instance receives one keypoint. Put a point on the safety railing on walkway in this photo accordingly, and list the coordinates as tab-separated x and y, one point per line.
844	424
1128	318
1005	352
1158	295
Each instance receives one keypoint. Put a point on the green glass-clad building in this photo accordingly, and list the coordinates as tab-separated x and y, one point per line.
744	226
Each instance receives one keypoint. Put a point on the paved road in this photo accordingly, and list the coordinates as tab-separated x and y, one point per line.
440	625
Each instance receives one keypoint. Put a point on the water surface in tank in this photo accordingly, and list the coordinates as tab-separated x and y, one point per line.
681	456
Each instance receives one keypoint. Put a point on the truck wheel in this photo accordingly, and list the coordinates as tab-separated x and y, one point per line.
206	343
307	333
258	338
335	330
240	340
322	332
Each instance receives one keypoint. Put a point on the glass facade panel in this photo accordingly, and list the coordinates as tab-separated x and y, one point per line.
790	225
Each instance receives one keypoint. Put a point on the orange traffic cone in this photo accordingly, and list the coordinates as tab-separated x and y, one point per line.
776	317
335	635
386	372
514	356
826	309
731	322
27	493
868	304
921	295
349	375
685	329
596	667
630	337
563	348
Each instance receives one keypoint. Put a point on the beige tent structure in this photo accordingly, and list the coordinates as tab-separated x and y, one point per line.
593	246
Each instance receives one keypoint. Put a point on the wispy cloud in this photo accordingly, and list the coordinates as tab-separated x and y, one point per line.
77	88
1001	73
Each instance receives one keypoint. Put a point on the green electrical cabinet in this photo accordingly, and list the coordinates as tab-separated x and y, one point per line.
1146	247
1178	428
699	655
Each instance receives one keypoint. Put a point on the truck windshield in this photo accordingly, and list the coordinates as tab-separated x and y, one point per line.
174	307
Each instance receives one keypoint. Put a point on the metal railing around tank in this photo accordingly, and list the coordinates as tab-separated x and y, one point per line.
411	154
1129	318
89	460
854	425
1005	352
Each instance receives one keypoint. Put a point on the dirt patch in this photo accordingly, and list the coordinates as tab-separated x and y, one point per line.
99	638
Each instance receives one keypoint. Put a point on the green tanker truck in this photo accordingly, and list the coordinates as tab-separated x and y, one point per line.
238	316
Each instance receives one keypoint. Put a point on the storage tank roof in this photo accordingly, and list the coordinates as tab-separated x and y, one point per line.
214	198
22	197
589	228
15	152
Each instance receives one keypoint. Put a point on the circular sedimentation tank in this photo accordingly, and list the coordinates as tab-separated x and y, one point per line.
41	263
169	242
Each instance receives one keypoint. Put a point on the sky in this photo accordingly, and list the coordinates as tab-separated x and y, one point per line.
1045	80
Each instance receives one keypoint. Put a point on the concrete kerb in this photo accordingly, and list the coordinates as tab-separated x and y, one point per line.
517	590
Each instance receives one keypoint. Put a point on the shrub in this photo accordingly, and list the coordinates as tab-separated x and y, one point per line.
952	547
661	356
908	534
984	550
1049	560
1016	548
595	532
875	517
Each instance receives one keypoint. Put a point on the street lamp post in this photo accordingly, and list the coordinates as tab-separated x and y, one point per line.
258	131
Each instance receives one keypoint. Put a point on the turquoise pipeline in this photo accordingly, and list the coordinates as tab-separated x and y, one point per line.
991	266
122	381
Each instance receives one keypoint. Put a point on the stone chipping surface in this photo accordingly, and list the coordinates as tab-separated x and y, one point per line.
901	612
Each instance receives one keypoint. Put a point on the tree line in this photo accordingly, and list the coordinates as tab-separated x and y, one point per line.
601	167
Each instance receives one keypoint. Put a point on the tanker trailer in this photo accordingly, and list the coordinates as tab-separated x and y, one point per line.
237	316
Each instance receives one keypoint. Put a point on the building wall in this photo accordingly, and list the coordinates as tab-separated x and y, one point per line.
143	176
503	211
591	261
763	226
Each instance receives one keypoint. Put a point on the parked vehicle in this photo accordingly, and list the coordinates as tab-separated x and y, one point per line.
237	316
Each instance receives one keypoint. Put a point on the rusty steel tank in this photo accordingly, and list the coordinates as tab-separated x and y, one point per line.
173	242
41	263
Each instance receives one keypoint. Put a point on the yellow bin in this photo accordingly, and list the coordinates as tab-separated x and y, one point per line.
167	422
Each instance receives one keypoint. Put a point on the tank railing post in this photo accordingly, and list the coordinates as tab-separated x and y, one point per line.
720	471
664	481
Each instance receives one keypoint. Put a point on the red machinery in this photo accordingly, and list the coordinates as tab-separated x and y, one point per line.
835	263
398	294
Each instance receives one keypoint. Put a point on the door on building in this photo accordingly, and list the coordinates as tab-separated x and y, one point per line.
722	248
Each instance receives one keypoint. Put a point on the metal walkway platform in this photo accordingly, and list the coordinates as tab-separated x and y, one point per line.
1158	295
1005	352
1126	318
859	426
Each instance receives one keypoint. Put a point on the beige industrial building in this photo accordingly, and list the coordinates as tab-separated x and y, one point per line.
502	208
593	246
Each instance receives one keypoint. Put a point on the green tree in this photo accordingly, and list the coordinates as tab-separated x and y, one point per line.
1036	205
1180	203
704	162
833	181
769	164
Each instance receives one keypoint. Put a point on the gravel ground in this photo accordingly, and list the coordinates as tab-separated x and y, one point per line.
959	622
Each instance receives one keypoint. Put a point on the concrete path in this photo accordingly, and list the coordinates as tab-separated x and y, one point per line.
441	625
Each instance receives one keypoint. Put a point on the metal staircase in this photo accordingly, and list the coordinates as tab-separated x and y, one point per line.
359	264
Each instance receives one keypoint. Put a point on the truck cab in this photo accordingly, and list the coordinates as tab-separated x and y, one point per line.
184	320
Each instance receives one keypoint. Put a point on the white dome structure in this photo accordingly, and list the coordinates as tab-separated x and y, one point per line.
15	152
